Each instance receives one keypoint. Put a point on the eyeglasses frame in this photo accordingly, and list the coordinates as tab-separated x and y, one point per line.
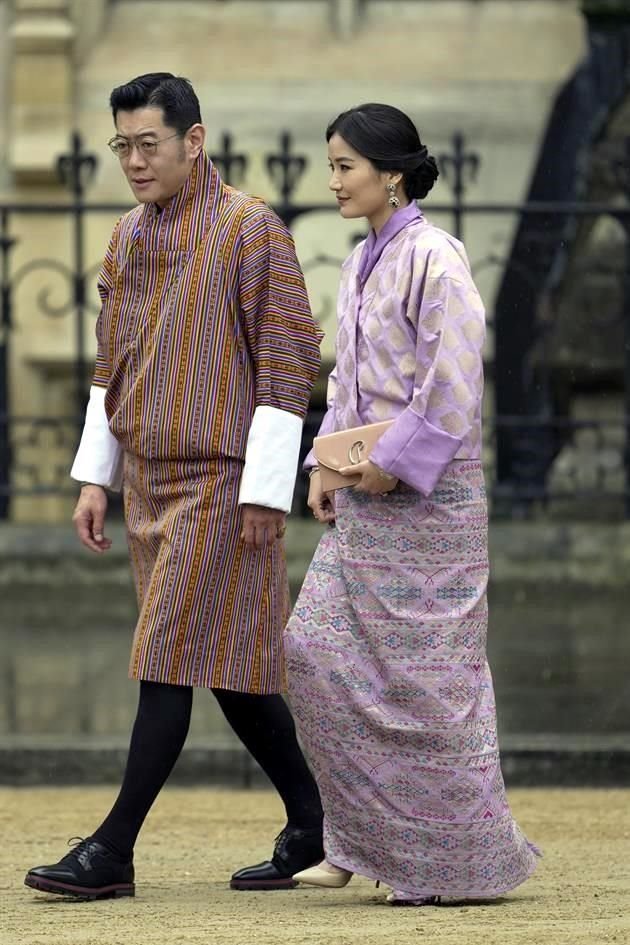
133	142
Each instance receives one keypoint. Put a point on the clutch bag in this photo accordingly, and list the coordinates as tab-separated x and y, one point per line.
347	448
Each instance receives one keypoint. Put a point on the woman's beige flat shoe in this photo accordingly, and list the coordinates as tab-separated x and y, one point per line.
324	874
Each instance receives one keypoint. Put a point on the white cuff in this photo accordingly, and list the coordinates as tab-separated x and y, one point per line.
99	457
271	458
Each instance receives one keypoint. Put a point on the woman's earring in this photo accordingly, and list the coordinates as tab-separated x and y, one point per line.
393	199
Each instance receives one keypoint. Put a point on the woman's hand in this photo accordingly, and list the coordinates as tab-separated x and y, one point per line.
373	480
321	504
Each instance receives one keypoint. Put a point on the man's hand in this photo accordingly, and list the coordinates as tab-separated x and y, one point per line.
261	526
373	480
89	518
321	504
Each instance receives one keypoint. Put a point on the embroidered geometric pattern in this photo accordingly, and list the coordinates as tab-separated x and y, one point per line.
393	697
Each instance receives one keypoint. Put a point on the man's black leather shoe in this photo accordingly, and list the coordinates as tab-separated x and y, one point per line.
89	871
296	848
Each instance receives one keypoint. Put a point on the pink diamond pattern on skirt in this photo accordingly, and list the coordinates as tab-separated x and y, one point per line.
393	696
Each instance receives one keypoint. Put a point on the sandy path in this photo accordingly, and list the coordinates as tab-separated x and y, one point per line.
194	838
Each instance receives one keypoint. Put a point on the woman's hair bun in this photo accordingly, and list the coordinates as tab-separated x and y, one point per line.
419	182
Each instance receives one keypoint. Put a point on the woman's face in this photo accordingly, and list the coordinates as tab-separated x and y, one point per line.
360	189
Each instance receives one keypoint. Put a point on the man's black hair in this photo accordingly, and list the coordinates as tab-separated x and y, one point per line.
175	96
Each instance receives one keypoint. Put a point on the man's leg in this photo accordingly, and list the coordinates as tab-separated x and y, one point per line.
266	728
102	864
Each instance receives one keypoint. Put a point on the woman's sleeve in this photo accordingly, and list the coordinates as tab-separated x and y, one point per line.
448	385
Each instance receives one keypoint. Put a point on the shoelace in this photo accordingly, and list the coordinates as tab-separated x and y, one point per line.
75	842
283	838
281	841
76	850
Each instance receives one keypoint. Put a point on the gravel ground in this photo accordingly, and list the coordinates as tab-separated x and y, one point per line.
195	838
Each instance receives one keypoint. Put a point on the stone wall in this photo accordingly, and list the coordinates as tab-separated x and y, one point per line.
4	91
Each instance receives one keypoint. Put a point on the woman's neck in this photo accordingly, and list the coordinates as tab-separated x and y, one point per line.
378	220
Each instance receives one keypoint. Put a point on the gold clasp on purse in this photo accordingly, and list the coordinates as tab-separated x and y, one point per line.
358	445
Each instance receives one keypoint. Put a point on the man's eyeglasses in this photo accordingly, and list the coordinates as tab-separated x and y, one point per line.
122	147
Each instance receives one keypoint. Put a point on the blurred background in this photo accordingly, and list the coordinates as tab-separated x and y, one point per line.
526	106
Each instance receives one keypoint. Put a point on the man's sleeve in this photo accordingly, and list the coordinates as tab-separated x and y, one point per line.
283	342
99	457
427	435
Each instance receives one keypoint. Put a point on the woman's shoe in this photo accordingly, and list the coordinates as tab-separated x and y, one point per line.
397	898
324	874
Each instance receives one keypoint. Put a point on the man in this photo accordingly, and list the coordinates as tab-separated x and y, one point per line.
207	353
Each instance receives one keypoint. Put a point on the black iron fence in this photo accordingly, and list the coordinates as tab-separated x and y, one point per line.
570	439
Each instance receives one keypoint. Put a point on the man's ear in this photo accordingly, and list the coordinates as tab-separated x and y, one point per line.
195	140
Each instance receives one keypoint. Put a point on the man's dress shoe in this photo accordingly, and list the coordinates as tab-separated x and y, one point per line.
89	871
295	849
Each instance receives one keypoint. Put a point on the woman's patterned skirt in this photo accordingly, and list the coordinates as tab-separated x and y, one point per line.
393	697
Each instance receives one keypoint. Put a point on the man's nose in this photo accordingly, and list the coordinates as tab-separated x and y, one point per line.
136	157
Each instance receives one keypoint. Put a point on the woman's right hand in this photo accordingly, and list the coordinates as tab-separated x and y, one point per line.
321	504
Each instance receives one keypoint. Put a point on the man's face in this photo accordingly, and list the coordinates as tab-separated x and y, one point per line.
159	160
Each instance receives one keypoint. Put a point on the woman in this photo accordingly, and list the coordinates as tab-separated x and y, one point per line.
386	647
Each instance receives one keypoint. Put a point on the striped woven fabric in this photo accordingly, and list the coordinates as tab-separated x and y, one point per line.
204	318
211	612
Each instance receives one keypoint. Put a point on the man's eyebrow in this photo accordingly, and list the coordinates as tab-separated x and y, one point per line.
140	134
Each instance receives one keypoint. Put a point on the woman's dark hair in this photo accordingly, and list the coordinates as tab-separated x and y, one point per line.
389	139
175	96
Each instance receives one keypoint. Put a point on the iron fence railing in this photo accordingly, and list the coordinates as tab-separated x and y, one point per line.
548	454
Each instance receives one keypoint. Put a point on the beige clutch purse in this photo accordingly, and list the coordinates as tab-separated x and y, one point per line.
347	448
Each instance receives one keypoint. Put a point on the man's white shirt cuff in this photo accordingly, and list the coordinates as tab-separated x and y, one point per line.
99	458
271	459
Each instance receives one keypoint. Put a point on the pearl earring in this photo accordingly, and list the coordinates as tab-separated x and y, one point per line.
393	199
